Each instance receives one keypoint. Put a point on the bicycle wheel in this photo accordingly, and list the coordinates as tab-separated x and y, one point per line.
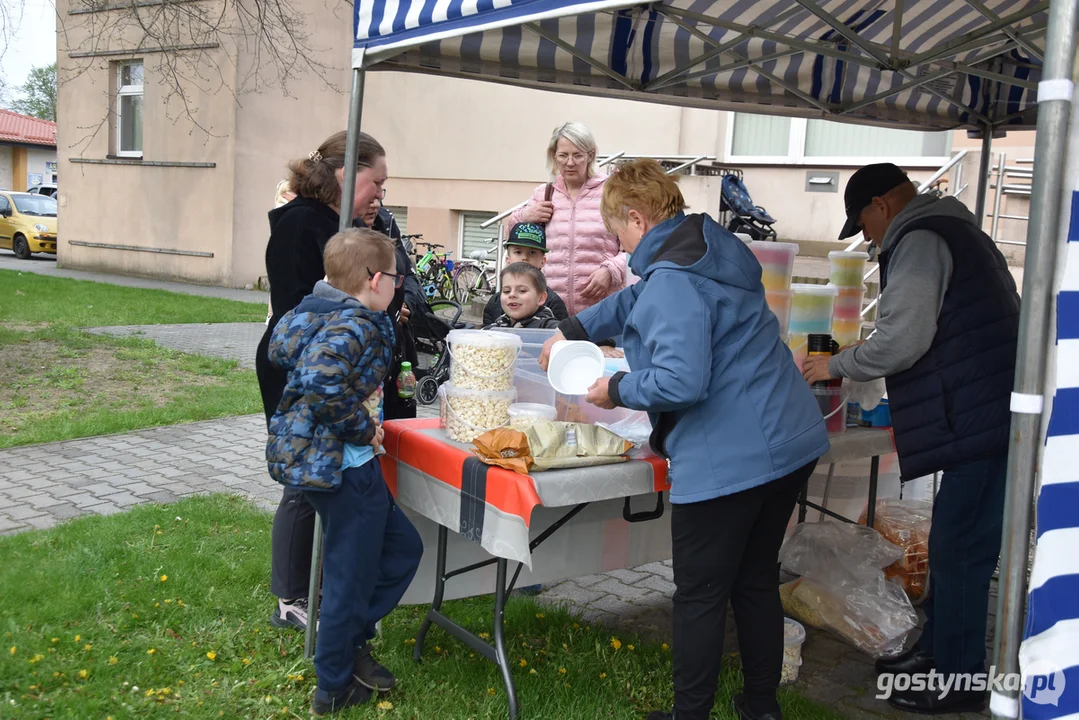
464	283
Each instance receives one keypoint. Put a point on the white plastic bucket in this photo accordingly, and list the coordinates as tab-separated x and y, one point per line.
574	366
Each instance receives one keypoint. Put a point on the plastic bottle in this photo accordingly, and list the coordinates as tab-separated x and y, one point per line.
406	382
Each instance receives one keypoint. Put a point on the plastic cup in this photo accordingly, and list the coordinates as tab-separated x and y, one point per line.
574	366
811	310
846	332
779	302
794	636
830	399
848	268
848	303
777	263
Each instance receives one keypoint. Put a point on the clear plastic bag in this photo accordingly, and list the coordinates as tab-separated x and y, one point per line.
636	428
843	589
906	524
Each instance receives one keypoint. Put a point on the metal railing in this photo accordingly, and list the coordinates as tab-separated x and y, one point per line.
1002	186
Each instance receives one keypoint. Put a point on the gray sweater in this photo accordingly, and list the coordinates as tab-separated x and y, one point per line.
919	271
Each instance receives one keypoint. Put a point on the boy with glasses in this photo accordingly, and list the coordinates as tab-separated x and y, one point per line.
324	438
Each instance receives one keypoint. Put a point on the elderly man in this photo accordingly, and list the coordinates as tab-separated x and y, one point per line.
945	343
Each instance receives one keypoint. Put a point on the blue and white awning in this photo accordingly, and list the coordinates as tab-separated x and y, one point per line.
912	63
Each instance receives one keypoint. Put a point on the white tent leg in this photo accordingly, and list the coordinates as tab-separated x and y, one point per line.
1054	114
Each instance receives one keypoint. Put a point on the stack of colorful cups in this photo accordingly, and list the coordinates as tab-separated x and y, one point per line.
848	271
777	268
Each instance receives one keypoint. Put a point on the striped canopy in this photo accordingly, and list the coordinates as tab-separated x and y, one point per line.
908	63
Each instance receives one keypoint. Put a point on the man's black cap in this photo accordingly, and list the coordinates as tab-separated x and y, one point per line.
870	182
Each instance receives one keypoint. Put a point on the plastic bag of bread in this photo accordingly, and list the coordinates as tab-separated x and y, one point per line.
546	445
905	524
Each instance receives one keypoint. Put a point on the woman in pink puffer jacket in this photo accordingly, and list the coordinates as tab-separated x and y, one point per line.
584	261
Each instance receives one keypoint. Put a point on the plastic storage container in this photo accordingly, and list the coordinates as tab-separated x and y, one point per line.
848	303
811	309
779	302
777	263
846	332
799	347
830	400
848	268
531	411
794	636
482	359
466	414
532	384
532	339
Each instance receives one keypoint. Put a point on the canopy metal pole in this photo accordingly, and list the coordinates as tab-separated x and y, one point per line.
348	191
1043	232
983	175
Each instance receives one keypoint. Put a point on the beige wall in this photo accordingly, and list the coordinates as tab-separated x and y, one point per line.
6	167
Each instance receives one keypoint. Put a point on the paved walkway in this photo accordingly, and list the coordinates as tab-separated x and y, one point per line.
46	265
41	485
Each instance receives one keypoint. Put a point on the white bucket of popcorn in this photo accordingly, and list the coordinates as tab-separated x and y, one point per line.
482	359
794	636
466	414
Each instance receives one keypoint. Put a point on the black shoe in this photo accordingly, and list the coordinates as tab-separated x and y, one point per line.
659	715
369	672
929	702
742	710
327	703
911	662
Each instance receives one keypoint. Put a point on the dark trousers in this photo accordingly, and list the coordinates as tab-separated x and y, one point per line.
964	545
727	549
370	556
294	521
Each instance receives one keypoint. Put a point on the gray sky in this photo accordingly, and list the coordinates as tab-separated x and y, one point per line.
33	42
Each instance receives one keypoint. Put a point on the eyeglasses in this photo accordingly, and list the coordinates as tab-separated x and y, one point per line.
381	194
577	158
398	279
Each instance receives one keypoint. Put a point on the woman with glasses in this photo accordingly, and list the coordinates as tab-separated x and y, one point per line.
584	262
299	231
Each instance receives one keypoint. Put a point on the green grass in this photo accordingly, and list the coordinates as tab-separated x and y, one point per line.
29	298
162	612
61	383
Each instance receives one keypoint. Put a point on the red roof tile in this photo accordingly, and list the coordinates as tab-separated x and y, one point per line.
25	129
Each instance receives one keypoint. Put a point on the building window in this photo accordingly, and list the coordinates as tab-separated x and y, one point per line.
473	237
400	214
795	141
129	98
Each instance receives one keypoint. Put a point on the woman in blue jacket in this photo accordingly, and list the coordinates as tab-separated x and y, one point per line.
739	427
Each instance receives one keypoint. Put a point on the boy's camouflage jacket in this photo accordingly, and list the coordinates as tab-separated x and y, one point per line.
337	353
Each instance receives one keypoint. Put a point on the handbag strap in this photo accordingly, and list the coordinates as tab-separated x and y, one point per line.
549	193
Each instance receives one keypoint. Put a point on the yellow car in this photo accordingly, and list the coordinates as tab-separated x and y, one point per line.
27	223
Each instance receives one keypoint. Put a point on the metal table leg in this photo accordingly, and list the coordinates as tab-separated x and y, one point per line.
871	508
311	633
803	501
500	637
440	588
827	489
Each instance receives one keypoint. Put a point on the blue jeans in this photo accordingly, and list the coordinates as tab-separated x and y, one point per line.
964	545
370	556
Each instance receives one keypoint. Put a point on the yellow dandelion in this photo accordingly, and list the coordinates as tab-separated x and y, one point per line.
134	616
490	691
565	647
113	660
78	638
159	533
438	649
523	662
211	655
87	647
181	603
602	675
168	601
151	651
164	578
665	647
157	605
56	640
616	643
576	626
180	683
247	661
13	650
561	671
165	691
385	705
533	672
32	687
36	658
629	647
150	692
540	615
56	674
485	635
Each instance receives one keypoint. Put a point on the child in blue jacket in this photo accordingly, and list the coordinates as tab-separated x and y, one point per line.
336	346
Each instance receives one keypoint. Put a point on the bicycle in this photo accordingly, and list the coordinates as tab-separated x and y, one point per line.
433	270
475	278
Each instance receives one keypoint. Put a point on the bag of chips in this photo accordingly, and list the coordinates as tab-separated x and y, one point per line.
546	445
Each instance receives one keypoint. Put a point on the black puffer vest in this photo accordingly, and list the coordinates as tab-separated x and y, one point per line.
952	405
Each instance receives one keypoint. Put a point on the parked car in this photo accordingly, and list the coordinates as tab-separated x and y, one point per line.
44	189
27	223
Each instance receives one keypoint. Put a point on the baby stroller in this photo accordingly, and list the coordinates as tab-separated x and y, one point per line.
429	332
747	218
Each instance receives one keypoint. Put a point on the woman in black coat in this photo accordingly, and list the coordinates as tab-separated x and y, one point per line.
299	231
